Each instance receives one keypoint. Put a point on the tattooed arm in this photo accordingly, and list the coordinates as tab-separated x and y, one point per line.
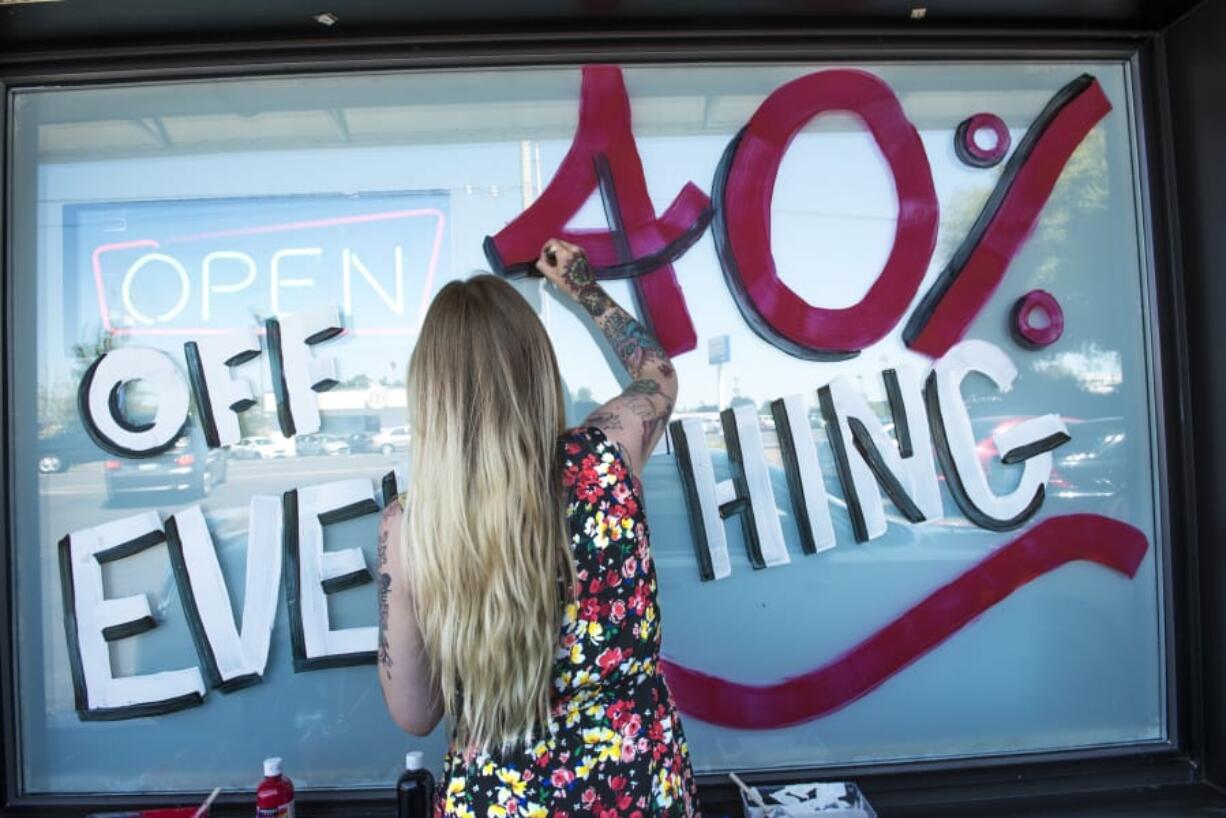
404	674
637	417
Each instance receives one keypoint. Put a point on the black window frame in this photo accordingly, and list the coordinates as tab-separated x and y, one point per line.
923	787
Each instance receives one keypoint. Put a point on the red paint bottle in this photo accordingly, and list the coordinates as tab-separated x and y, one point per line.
275	796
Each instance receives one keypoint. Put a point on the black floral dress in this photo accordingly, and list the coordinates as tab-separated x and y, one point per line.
614	744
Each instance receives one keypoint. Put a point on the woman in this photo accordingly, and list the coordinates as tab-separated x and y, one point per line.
517	593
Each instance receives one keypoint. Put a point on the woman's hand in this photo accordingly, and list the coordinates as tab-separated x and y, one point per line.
566	265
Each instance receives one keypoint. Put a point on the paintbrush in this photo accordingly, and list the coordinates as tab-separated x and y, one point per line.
750	792
207	802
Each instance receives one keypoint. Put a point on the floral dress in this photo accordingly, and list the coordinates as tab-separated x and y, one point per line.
614	744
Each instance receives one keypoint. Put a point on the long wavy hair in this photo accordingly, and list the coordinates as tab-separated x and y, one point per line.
485	545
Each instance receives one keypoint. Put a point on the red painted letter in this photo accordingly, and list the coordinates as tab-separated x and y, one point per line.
638	245
745	184
945	312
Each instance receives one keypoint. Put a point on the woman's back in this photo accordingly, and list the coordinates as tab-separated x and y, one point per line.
613	745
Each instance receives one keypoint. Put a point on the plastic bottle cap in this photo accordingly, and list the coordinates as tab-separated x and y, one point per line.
412	760
272	766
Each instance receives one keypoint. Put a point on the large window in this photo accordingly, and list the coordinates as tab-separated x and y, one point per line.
953	604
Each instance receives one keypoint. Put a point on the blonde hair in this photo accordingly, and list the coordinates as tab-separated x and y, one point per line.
485	545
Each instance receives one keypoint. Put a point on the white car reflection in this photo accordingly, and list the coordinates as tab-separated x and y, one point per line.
262	448
395	439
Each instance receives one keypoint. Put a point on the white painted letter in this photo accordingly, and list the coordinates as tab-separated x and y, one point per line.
99	397
230	660
91	621
955	440
312	573
296	374
219	396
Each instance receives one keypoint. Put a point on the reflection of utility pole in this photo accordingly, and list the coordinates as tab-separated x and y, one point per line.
530	161
525	172
536	156
719	352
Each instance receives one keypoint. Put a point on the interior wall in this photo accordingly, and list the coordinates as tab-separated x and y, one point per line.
1196	54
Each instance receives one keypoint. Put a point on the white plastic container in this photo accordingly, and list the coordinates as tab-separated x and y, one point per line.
828	799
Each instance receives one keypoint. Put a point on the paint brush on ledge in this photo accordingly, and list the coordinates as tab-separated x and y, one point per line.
204	808
172	812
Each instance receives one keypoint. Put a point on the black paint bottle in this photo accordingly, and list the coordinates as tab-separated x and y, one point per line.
415	789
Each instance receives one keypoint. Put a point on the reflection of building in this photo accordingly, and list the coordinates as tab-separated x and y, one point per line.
344	409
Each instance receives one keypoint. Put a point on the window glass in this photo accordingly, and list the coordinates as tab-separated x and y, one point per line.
150	216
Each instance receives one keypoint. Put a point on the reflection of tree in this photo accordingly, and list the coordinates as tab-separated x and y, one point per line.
57	409
737	398
395	375
359	381
1078	201
1074	211
254	422
57	402
582	404
1065	254
86	352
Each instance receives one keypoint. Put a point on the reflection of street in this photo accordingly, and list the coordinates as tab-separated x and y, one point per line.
243	479
770	444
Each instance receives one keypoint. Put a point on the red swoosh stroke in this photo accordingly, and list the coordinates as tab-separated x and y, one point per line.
945	611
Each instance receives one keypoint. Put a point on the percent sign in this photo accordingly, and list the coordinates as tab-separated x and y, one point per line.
744	185
1006	221
641	245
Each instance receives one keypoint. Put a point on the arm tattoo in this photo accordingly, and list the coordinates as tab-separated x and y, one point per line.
645	399
579	273
588	292
605	419
632	343
384	590
649	404
644	386
594	299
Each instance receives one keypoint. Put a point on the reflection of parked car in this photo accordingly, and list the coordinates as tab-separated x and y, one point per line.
393	439
326	444
262	448
358	430
361	442
1092	464
61	451
1096	463
189	466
